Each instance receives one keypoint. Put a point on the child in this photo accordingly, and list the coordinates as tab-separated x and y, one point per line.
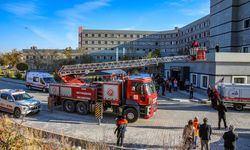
196	131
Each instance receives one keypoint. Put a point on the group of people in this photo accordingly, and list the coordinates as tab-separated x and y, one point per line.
194	131
165	85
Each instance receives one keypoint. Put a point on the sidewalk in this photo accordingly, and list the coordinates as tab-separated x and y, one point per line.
183	96
12	80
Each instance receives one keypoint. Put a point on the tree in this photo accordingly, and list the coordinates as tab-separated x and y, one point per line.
22	66
153	68
82	50
68	52
11	58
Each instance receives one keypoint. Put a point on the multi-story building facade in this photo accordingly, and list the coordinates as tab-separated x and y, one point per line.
230	25
104	45
197	30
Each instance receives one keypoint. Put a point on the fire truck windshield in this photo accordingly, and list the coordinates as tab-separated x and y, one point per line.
150	88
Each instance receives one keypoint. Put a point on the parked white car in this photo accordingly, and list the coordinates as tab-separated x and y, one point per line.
18	102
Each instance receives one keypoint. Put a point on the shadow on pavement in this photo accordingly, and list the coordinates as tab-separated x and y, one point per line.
186	107
158	127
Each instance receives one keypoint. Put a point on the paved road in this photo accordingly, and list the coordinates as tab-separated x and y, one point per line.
163	131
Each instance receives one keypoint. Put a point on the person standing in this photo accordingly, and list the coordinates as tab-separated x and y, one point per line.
187	84
162	83
120	130
215	98
191	91
167	84
188	135
175	85
170	86
205	134
217	48
196	131
230	139
222	114
209	92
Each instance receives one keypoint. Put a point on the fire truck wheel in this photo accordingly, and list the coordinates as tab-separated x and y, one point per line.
238	107
82	108
17	113
131	115
69	106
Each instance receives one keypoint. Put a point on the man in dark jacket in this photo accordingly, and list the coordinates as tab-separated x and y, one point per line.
205	134
230	138
222	114
121	129
215	98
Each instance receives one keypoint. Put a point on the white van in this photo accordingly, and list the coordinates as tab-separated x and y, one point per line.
236	94
39	80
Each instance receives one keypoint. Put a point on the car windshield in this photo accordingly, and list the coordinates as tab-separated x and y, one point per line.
150	88
22	96
49	80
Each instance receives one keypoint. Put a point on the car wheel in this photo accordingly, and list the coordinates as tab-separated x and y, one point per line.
238	107
17	113
131	115
82	108
69	106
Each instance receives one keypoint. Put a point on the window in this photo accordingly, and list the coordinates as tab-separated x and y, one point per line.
41	81
137	87
35	79
239	79
194	79
204	81
245	49
6	97
247	23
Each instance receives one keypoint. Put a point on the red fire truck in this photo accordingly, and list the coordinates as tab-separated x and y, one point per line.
133	97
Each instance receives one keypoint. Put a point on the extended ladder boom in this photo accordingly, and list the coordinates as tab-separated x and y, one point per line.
92	67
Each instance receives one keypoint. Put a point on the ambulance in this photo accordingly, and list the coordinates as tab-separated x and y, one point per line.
237	95
39	80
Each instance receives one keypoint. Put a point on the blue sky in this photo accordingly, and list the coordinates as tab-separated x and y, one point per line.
54	23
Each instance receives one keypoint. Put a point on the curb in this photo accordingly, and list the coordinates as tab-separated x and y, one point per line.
11	81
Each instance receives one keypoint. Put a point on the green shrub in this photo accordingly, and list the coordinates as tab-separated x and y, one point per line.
7	75
18	75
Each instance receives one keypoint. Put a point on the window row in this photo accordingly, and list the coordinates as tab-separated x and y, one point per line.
195	37
195	27
129	43
99	35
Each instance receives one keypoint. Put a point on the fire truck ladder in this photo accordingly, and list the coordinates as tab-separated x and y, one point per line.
92	67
